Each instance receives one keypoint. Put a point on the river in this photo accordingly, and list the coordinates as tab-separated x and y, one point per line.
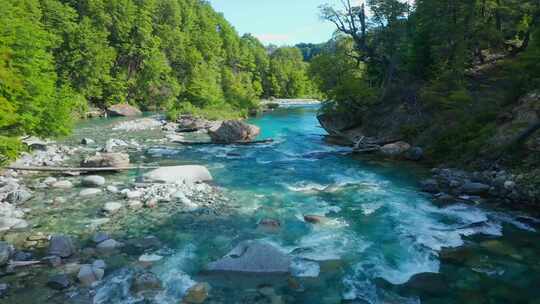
378	230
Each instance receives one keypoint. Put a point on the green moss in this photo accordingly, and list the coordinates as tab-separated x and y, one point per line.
221	111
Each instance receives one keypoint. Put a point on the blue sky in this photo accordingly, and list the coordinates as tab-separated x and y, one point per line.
282	22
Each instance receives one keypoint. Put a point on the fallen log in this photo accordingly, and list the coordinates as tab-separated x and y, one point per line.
196	143
76	169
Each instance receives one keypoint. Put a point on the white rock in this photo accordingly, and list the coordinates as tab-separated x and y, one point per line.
180	174
90	192
50	180
108	246
62	184
7	223
135	204
112	207
133	194
149	259
112	189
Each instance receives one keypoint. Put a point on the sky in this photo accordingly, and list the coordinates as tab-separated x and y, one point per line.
281	22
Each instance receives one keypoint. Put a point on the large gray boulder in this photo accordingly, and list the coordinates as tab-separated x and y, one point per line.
123	109
253	257
231	131
61	245
106	160
180	174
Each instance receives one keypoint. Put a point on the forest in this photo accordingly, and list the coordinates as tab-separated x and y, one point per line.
61	57
452	69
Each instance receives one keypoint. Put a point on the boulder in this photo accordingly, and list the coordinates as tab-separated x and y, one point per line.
231	131
253	257
180	174
93	181
61	245
396	149
88	275
106	160
474	188
123	109
6	251
197	293
19	196
59	282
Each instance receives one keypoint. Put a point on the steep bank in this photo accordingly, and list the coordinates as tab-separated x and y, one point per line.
492	135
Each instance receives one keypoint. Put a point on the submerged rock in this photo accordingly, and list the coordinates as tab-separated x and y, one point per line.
253	257
314	219
233	131
61	245
146	281
93	181
6	250
64	184
112	207
59	282
89	192
123	109
269	225
88	275
180	174
197	294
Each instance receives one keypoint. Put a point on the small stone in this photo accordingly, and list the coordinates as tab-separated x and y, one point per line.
152	203
269	225
135	205
112	189
100	264
87	141
6	250
509	185
62	184
93	181
88	275
61	246
21	256
146	281
89	192
314	219
50	180
19	196
53	261
59	282
3	289
131	195
148	259
100	237
108	246
59	200
112	207
39	236
197	294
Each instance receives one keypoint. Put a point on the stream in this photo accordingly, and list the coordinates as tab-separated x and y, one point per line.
378	231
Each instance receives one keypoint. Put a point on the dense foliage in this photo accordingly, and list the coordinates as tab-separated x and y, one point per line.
59	56
433	42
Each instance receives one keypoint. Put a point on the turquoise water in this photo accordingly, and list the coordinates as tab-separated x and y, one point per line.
379	233
380	226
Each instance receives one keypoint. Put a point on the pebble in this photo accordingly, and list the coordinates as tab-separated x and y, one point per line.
112	207
148	259
88	275
112	189
62	184
93	181
133	195
90	192
135	205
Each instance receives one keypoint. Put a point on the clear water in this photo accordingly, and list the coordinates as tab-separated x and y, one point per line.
380	232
